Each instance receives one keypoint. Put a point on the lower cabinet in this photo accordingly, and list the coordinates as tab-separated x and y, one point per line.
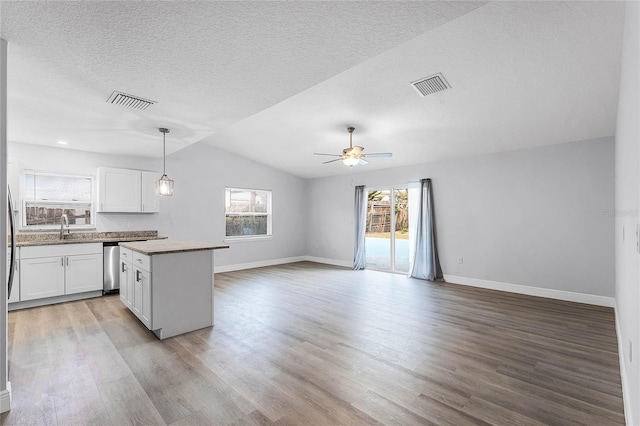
135	284
142	295
83	273
41	277
126	280
57	270
170	292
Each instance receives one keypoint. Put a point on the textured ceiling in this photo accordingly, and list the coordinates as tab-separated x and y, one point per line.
277	81
209	65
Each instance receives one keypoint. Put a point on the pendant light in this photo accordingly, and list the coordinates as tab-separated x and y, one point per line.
164	185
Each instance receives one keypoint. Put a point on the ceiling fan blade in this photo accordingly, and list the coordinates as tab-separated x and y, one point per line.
379	155
331	161
331	155
362	162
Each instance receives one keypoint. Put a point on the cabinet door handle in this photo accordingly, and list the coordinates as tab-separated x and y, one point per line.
67	260
62	261
137	275
139	260
122	266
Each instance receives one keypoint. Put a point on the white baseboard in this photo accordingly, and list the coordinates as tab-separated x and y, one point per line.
272	262
623	372
5	399
335	262
259	264
569	296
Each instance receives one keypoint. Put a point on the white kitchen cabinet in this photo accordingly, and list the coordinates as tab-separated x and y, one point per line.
83	273
142	295
119	190
135	284
127	191
41	277
126	278
173	285
150	200
57	270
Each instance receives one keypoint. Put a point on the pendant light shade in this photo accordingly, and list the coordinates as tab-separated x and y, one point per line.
164	185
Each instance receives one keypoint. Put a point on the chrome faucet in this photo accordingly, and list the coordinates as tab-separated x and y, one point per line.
64	226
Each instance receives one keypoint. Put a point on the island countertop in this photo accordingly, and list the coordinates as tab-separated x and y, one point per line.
152	247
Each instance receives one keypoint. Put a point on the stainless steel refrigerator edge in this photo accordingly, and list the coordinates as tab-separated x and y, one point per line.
12	230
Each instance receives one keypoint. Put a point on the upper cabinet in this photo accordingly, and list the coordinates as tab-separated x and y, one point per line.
126	191
150	201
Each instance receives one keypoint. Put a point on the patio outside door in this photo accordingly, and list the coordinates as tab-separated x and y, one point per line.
387	232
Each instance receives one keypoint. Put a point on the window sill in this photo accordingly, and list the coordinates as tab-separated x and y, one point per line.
247	239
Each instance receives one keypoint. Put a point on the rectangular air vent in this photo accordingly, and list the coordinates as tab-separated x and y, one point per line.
429	85
129	101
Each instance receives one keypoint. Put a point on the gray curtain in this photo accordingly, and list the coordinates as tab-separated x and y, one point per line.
359	256
425	263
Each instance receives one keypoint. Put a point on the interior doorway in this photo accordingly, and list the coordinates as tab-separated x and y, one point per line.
387	229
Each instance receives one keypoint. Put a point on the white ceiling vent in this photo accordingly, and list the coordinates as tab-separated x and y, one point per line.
429	85
129	101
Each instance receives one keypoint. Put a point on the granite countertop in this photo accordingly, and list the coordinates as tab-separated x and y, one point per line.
42	239
170	246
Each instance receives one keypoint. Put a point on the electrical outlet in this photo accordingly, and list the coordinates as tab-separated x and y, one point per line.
460	260
126	224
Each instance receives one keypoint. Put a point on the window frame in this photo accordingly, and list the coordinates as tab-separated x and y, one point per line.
268	214
24	200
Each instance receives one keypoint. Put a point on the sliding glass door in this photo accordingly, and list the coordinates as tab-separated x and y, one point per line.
387	231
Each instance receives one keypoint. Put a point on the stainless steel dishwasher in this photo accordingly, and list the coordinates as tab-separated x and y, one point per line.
111	259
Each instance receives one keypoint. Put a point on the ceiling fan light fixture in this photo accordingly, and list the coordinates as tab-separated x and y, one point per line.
164	185
353	155
351	161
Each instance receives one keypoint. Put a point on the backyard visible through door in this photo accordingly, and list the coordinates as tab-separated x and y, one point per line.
387	229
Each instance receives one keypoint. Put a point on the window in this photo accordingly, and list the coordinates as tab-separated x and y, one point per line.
247	213
47	196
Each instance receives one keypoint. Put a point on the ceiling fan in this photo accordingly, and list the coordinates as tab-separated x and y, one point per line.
353	155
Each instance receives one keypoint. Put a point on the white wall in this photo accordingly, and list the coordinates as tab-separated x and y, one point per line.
627	183
37	157
535	217
196	210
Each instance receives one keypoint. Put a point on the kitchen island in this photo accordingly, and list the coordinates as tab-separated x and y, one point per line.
168	284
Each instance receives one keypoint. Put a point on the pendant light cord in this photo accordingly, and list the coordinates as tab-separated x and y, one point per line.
164	153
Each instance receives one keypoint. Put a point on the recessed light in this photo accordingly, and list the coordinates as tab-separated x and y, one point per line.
62	142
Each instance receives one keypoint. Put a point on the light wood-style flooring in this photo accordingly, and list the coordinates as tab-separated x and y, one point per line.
305	344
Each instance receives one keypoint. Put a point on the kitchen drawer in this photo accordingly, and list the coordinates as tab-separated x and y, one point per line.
126	254
142	261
